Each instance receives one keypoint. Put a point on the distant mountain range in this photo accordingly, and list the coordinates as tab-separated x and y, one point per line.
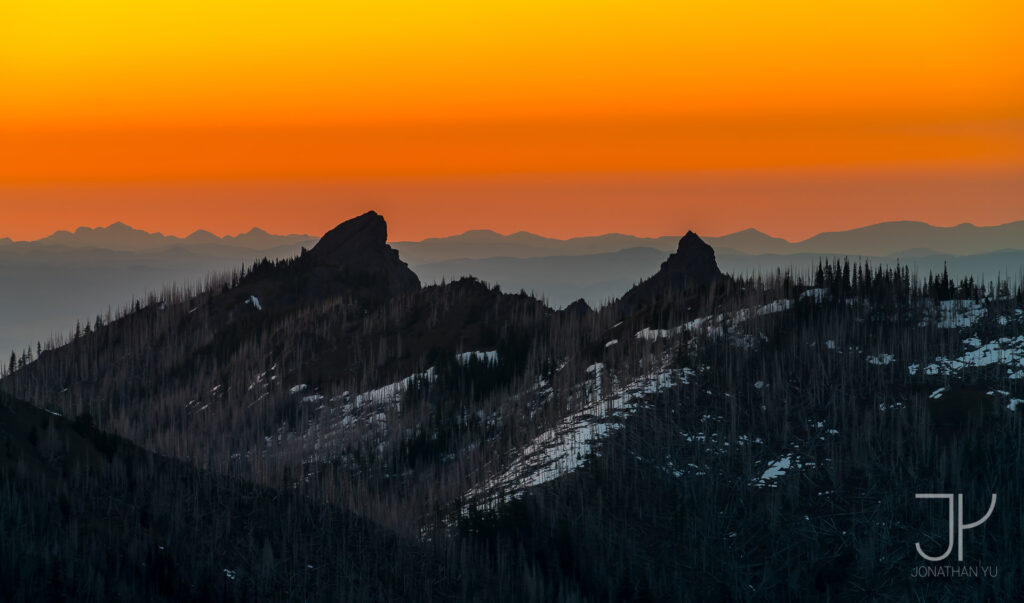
48	284
600	277
121	237
887	239
601	268
328	427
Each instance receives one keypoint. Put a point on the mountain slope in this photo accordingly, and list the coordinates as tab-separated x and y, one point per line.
707	437
89	516
278	353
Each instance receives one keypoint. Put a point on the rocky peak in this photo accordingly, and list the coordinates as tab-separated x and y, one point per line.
693	263
367	233
353	260
690	268
356	254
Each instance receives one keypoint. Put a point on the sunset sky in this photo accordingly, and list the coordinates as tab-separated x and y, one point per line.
562	118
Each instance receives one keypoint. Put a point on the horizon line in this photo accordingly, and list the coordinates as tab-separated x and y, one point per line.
264	230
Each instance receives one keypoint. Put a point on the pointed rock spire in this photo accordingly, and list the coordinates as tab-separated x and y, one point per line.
693	263
691	267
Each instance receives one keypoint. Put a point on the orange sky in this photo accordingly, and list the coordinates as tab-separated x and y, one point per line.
562	118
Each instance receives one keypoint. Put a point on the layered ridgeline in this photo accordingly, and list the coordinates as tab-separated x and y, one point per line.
110	266
703	437
600	268
75	276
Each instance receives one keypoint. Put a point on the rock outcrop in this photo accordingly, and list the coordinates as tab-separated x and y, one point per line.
690	269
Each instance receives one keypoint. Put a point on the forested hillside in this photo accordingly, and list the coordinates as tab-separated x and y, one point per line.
703	437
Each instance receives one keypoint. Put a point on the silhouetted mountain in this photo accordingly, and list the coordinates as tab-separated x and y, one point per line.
599	278
707	437
357	250
692	268
352	260
597	269
879	240
692	265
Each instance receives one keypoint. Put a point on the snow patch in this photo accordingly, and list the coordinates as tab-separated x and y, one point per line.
488	357
566	446
881	359
959	313
777	469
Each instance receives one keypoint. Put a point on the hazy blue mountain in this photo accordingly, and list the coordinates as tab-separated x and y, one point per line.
895	238
47	285
121	237
751	241
47	288
328	428
477	244
888	239
560	279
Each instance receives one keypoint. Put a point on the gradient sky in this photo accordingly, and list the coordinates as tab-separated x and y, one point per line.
563	118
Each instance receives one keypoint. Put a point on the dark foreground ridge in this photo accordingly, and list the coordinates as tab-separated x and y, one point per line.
322	428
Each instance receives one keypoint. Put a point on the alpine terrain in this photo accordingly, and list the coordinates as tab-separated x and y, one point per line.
326	427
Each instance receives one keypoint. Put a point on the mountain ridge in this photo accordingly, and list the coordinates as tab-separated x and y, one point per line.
122	237
890	238
887	239
485	423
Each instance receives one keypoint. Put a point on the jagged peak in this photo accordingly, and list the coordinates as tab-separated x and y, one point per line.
693	265
693	257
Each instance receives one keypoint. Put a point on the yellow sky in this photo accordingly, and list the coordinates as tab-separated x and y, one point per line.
351	91
106	63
